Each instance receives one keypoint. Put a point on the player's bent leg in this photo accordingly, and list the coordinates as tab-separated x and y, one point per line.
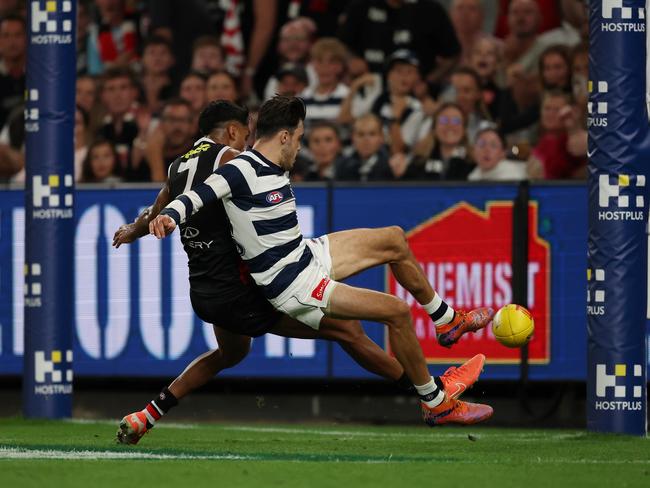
353	251
347	302
356	250
437	407
349	334
233	348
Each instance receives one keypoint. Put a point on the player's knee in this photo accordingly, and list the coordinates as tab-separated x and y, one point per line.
400	313
342	331
398	244
353	332
235	355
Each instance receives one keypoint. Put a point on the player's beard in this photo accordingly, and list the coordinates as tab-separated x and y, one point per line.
287	158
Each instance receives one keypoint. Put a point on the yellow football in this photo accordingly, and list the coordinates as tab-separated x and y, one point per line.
513	326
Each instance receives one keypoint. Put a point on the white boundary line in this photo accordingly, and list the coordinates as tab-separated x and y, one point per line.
430	435
11	453
115	423
22	453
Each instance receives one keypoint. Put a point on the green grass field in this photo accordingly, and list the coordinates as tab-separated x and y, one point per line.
84	454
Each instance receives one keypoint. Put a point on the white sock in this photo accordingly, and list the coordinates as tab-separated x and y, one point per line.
438	310
430	394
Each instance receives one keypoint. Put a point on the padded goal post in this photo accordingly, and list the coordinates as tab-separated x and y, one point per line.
617	274
49	208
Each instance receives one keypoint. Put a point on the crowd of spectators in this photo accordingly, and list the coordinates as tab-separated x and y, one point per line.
394	89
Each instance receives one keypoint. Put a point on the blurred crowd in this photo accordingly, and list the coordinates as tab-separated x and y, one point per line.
394	89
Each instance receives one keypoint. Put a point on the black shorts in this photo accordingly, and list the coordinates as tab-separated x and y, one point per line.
249	314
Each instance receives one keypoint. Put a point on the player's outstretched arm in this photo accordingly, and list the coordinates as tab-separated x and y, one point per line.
217	186
162	226
128	233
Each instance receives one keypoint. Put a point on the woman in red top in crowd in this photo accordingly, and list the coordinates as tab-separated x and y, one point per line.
560	152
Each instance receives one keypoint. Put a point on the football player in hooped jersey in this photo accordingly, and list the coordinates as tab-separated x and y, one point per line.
300	277
236	307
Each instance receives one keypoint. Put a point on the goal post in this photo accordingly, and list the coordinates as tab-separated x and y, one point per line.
49	208
619	158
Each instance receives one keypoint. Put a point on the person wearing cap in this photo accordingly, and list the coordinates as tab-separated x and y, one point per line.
402	116
292	79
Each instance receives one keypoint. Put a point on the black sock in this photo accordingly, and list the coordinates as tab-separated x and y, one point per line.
166	400
159	406
404	383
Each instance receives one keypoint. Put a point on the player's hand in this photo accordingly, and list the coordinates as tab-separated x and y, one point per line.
124	235
162	226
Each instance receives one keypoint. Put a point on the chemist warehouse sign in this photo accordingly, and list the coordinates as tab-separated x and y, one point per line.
466	256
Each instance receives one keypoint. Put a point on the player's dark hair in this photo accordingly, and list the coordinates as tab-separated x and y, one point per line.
218	113
280	113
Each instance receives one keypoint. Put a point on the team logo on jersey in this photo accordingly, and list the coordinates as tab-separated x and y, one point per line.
274	197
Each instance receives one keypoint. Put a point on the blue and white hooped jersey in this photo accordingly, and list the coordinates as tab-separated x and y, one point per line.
261	207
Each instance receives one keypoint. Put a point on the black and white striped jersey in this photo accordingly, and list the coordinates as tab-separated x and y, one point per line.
324	107
213	260
261	207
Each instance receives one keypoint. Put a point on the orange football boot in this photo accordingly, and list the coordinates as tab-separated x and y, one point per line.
452	411
459	379
132	428
448	334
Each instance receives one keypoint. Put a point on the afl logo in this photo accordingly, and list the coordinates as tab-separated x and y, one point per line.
274	197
